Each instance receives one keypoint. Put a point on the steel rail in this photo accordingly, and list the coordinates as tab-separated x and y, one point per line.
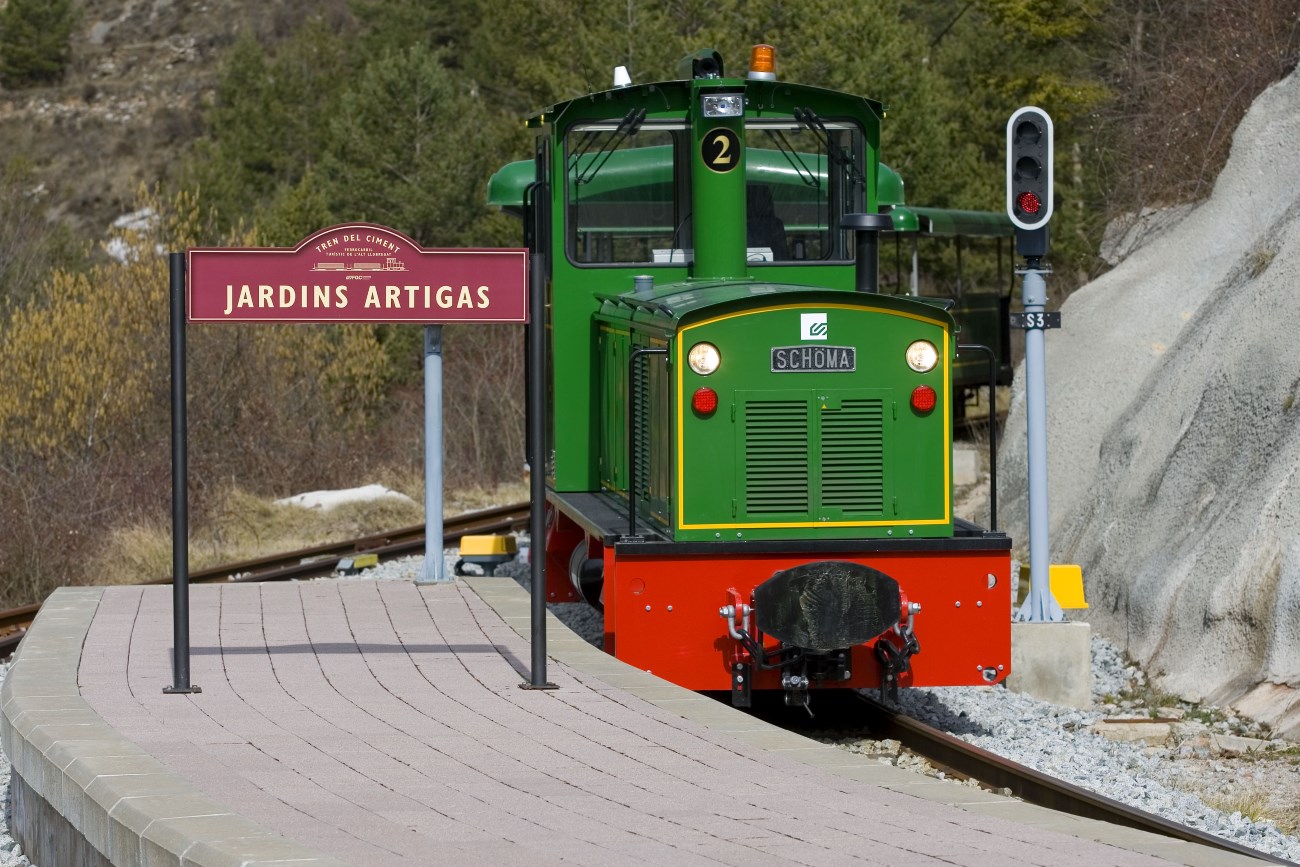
13	626
321	559
310	562
968	760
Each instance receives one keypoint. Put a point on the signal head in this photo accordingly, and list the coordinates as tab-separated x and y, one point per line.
1029	168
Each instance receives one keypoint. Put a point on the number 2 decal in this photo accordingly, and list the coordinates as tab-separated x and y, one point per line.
720	149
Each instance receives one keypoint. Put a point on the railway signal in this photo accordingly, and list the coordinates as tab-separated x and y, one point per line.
1029	205
1029	168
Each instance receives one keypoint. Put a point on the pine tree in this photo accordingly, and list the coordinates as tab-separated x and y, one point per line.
34	41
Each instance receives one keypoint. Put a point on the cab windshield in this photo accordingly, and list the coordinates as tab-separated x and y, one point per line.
627	192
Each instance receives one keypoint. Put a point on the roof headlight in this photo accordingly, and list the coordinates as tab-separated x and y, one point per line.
722	104
704	358
922	356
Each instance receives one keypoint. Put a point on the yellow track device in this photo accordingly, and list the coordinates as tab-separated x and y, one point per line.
488	552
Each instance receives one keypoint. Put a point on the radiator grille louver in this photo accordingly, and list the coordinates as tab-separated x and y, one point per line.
853	457
776	457
641	456
812	461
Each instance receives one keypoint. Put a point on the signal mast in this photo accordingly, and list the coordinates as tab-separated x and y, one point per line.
1029	205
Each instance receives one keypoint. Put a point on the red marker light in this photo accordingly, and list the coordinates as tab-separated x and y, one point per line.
1028	203
705	400
923	398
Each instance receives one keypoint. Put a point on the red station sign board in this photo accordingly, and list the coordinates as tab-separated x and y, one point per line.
356	273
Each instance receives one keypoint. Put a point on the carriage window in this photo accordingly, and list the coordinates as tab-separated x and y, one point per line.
623	201
799	181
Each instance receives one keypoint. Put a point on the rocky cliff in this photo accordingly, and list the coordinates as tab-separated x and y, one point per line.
1174	435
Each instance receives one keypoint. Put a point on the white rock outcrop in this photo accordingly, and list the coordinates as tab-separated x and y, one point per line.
1174	436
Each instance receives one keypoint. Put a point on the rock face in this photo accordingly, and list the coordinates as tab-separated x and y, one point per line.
1174	435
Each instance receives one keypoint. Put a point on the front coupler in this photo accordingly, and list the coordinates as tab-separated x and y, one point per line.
817	612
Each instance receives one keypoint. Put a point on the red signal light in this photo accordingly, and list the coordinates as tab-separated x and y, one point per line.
1029	171
923	398
705	400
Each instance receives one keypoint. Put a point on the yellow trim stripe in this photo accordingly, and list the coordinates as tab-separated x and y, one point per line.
771	526
681	428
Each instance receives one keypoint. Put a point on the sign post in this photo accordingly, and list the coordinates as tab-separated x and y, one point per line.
359	273
180	489
435	564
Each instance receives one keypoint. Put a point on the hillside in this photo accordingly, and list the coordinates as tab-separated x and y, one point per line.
1173	444
131	99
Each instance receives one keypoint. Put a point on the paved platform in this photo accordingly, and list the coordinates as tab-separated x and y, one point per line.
377	723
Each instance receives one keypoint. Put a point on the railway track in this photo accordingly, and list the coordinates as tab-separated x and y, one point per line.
958	758
847	713
967	760
322	559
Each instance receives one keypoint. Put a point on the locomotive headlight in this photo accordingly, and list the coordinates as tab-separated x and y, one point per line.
722	105
704	358
922	356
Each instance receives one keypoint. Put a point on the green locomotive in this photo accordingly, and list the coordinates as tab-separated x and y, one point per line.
749	463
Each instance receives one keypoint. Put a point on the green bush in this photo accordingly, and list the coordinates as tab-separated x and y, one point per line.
34	41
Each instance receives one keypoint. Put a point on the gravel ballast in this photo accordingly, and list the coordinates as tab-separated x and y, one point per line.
1057	741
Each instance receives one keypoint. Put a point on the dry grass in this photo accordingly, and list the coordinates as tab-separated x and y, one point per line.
473	499
1275	777
245	526
1259	258
1258	804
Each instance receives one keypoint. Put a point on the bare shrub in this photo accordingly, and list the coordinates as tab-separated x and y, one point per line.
483	406
28	244
85	427
53	515
1183	75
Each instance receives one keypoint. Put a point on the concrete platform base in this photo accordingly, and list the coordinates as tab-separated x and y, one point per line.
1052	662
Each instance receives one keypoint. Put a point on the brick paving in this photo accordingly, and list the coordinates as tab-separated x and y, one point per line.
383	723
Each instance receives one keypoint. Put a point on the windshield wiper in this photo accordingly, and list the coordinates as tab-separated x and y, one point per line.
837	155
807	175
628	126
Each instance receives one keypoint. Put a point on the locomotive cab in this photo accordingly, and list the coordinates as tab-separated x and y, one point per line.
749	458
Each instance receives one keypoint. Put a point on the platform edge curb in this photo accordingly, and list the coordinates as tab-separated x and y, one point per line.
105	820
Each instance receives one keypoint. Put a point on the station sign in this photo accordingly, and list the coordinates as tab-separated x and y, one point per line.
356	272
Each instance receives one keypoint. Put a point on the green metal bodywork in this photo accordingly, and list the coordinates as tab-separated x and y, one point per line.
626	174
981	315
718	187
572	288
785	455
